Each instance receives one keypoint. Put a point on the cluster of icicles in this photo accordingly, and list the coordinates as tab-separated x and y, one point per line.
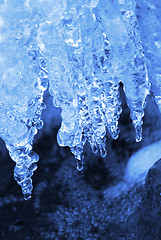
83	49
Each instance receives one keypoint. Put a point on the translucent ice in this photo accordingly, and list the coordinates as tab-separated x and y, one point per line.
22	86
141	161
84	49
149	23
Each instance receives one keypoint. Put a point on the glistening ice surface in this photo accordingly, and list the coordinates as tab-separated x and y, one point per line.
81	51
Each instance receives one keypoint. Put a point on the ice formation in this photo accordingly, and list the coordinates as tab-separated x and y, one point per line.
141	161
83	49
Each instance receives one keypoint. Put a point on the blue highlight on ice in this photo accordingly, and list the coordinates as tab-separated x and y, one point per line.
80	50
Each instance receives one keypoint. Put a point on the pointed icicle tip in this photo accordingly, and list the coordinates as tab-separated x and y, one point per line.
138	132
79	162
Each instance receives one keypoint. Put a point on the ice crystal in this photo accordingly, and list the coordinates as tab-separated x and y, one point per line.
84	49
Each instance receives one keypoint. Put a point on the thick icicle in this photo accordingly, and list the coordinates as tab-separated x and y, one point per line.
22	86
125	41
110	84
149	24
92	83
139	69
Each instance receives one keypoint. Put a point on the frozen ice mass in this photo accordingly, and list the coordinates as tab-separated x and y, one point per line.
80	51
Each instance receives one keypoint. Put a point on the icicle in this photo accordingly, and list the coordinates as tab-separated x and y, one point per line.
139	70
84	64
110	84
77	150
111	103
150	32
92	82
24	80
128	54
25	160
